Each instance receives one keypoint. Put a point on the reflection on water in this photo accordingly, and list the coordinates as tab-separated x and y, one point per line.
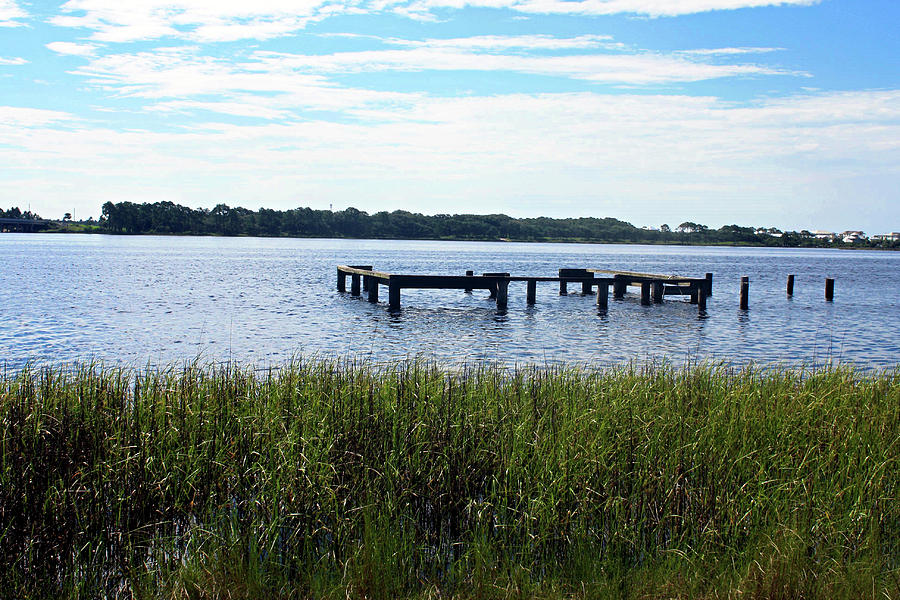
154	299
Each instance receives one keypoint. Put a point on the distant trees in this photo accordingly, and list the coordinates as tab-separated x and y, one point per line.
170	218
15	213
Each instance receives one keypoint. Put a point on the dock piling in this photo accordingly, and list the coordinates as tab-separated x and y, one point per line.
586	288
745	292
709	277
531	291
619	286
659	290
469	274
502	293
373	290
701	298
354	285
563	288
341	281
602	295
790	285
645	293
394	295
829	289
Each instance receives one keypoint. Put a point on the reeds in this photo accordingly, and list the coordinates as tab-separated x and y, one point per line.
325	479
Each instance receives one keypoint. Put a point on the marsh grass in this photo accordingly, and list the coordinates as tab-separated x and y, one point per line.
334	480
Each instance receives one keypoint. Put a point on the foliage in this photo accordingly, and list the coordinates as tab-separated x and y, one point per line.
349	481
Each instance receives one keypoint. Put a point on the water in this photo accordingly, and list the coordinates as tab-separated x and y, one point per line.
139	300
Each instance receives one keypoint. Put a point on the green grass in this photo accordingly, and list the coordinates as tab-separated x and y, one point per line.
329	480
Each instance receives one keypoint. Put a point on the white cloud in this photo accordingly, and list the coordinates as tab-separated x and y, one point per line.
15	61
278	81
199	20
230	20
580	153
11	14
16	116
652	8
72	48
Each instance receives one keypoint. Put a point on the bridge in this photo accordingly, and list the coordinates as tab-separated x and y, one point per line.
26	225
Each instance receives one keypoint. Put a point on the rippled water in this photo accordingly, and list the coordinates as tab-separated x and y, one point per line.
136	300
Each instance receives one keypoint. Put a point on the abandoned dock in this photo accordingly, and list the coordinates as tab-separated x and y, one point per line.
653	287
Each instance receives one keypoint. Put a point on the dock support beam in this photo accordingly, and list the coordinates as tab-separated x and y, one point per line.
602	296
829	289
695	293
469	274
563	288
502	294
701	298
790	285
394	295
365	283
645	293
354	285
341	281
658	291
709	284
531	291
372	289
745	292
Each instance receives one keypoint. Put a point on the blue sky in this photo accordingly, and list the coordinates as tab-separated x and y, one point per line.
757	112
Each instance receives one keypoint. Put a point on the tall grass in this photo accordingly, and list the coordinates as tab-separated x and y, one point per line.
328	480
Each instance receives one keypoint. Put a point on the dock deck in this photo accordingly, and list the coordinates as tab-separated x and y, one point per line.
653	286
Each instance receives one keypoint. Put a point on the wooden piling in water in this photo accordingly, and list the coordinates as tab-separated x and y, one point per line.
354	285
709	277
790	285
469	274
373	290
645	293
829	289
341	281
701	298
745	292
531	291
586	287
659	290
563	288
394	295
502	293
602	295
619	286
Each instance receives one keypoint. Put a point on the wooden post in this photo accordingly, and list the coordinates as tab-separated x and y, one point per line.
619	287
603	295
709	284
829	289
354	284
586	288
531	291
695	292
373	290
563	288
745	292
658	291
701	298
502	293
341	281
469	274
645	293
394	295
790	285
365	283
493	291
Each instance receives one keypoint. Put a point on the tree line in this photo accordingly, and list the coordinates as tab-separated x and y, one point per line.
16	213
170	218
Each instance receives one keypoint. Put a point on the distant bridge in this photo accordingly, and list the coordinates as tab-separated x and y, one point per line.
8	225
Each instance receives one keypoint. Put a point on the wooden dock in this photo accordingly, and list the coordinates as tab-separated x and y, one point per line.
654	287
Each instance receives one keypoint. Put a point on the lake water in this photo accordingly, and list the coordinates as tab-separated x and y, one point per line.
139	300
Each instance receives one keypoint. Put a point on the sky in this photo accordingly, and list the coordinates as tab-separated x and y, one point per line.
781	113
